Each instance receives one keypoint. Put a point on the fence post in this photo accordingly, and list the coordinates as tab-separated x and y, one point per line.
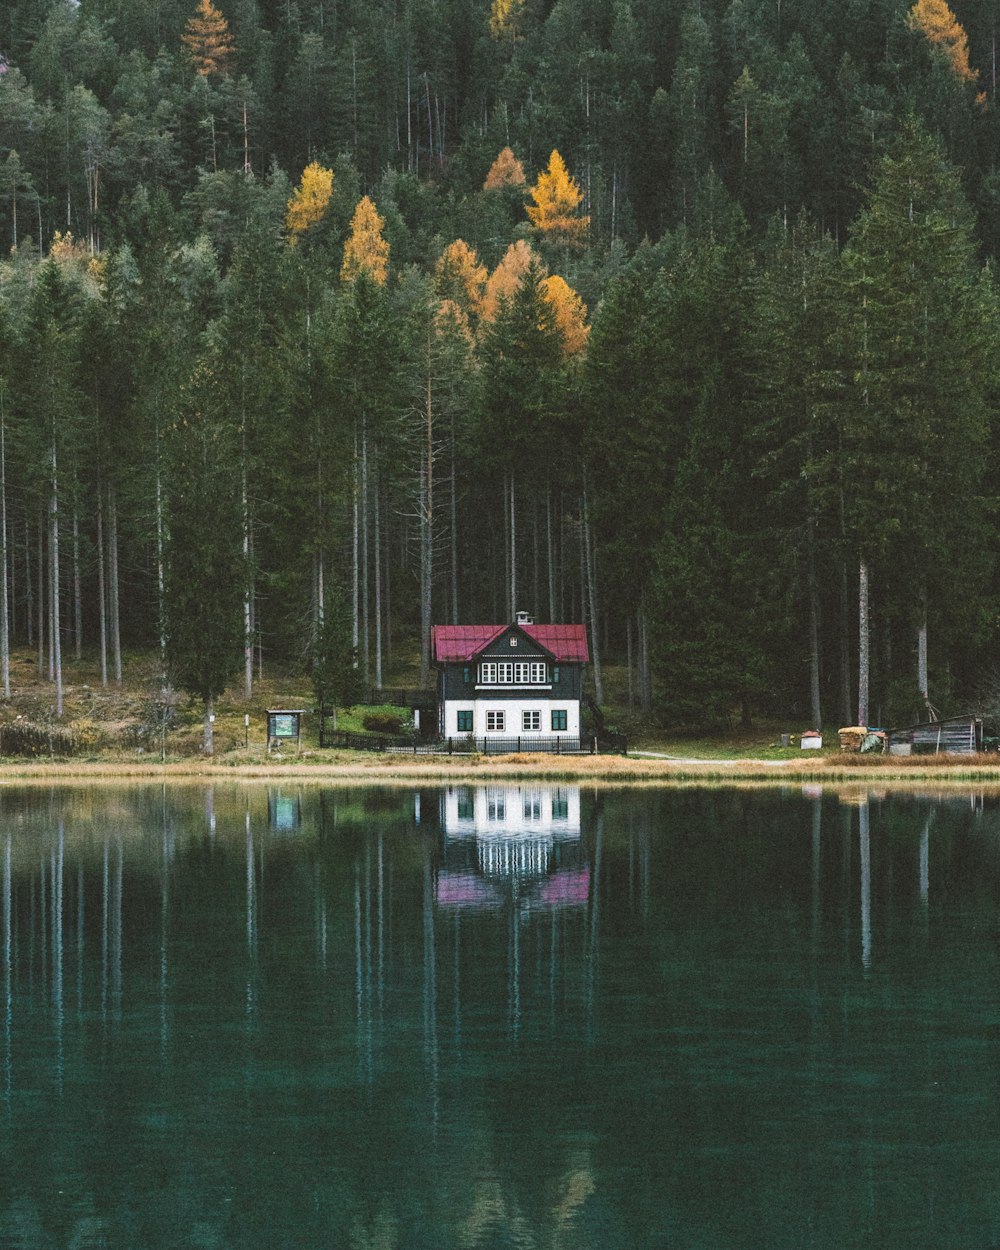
593	745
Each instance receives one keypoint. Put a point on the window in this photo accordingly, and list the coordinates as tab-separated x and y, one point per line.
558	720
505	673
466	808
464	722
537	674
466	675
531	722
513	641
560	807
555	676
488	674
494	722
522	673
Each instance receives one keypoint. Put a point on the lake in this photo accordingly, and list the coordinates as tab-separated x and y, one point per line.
498	1016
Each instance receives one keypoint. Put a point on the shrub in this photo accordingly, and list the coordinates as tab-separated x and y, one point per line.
382	722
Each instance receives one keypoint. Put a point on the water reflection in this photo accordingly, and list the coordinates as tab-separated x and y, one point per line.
517	844
539	1016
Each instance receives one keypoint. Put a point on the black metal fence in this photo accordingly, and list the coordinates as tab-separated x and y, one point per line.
606	744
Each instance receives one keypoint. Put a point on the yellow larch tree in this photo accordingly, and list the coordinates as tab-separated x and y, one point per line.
555	211
505	18
451	322
506	171
460	278
366	251
936	22
570	313
207	38
309	200
506	278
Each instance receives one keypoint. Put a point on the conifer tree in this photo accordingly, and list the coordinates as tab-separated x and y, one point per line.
309	200
506	171
209	41
366	250
459	277
570	313
507	277
938	24
555	209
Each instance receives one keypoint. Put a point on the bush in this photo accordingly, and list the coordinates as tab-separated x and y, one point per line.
382	722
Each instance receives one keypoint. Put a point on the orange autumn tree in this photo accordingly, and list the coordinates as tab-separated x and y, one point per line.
555	211
366	251
506	171
506	278
570	314
309	200
460	278
207	38
939	26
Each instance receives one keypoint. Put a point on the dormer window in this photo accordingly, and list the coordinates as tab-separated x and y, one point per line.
508	673
513	640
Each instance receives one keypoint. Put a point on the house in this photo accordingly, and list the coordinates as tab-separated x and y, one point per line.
510	681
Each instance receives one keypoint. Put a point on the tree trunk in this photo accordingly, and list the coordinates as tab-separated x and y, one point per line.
814	652
864	642
365	633
54	584
40	561
208	745
77	597
247	580
427	532
922	682
160	569
355	561
29	592
590	564
378	585
513	554
454	534
102	596
551	559
628	660
4	600
116	637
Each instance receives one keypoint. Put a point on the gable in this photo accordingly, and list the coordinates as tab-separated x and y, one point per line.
458	644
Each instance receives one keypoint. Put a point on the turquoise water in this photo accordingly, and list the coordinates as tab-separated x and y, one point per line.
498	1017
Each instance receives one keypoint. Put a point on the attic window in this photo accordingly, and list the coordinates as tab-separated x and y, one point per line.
513	641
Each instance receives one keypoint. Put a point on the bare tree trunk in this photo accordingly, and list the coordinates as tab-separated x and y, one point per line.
378	585
102	595
387	589
365	632
41	595
247	579
628	660
590	563
454	534
208	743
160	572
814	651
513	554
427	532
116	637
4	600
551	557
29	593
864	642
54	584
845	653
922	683
77	596
355	561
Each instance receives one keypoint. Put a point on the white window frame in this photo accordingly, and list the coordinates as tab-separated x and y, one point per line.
495	722
505	673
538	673
522	673
488	673
531	721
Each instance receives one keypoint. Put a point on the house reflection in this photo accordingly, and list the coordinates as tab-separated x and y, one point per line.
511	842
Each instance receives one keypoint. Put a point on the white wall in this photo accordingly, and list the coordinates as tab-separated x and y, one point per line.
512	709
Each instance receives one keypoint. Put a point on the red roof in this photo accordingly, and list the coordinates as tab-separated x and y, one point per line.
565	643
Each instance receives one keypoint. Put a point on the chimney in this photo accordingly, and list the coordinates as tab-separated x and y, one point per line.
524	618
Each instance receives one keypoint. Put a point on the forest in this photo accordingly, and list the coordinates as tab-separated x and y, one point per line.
323	322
